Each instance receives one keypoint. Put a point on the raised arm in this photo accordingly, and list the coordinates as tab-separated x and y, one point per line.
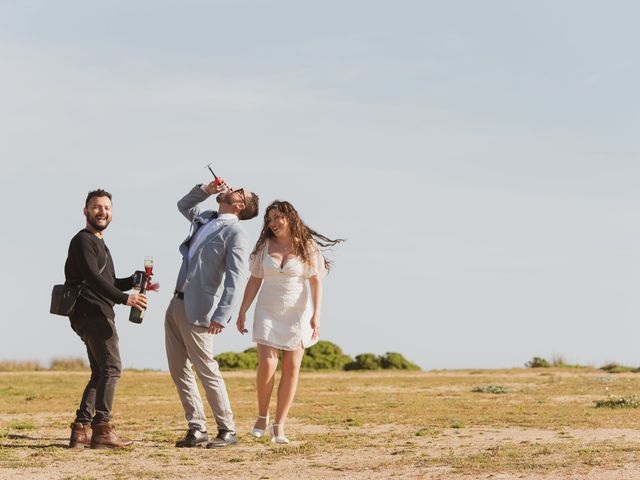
188	205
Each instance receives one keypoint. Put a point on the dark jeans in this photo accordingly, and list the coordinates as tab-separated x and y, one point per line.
101	339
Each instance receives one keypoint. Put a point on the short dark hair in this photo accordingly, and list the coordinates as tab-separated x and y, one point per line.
96	193
251	207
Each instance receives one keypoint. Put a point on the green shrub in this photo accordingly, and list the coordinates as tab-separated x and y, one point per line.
365	361
325	356
490	389
630	401
537	362
396	361
617	368
241	360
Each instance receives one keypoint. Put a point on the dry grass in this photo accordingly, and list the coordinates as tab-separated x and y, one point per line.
65	364
68	364
342	425
23	366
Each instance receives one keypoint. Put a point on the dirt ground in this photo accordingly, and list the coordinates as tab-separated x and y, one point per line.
413	425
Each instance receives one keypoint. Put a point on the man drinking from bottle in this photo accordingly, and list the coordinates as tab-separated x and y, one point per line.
208	291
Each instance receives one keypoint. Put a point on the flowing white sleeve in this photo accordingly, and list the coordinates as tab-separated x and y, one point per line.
255	264
317	264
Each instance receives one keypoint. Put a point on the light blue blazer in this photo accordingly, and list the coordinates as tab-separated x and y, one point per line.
213	280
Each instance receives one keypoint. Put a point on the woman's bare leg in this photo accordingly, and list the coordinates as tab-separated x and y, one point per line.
287	386
265	375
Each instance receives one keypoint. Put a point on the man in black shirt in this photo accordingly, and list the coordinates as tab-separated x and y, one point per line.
89	261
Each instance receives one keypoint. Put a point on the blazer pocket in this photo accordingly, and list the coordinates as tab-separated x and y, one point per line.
214	244
211	290
213	249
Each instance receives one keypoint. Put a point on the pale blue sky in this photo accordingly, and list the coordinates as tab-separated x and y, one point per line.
480	157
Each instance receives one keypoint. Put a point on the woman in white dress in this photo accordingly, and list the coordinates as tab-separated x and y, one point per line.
287	267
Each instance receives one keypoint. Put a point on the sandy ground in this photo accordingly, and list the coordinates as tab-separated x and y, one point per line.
350	452
255	459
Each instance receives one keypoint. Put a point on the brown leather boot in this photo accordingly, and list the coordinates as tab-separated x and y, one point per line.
80	435
104	436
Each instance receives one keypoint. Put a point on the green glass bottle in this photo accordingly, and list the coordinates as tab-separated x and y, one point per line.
136	315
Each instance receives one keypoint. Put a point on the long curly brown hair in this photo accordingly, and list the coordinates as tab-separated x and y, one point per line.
304	238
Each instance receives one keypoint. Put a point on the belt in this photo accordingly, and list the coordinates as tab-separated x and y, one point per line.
178	294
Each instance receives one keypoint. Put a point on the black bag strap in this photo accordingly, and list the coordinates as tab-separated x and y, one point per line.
83	283
103	267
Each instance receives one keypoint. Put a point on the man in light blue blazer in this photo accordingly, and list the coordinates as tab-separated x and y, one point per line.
208	291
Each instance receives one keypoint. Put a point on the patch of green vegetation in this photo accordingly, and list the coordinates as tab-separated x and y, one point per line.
557	361
119	451
246	360
277	453
628	401
12	392
353	422
161	436
6	454
425	431
617	368
538	362
22	425
388	361
455	423
325	356
365	361
497	389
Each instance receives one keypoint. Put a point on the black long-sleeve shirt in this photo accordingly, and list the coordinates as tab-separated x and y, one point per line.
87	255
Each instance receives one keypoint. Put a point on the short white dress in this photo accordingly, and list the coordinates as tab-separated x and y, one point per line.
282	317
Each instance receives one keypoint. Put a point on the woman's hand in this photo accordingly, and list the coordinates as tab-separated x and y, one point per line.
240	323
315	326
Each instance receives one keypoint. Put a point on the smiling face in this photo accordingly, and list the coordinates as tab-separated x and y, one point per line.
278	223
98	213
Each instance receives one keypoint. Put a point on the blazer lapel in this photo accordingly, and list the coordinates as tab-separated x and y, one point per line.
196	223
218	232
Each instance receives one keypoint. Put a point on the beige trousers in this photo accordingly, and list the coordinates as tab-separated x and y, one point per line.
190	345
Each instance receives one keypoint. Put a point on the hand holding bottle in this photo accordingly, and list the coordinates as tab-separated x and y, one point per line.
137	300
216	186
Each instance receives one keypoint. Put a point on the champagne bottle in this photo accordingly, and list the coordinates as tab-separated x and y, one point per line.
136	315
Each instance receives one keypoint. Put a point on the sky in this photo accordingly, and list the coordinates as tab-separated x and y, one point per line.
480	158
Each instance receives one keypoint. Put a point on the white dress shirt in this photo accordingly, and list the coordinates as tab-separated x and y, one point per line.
211	226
